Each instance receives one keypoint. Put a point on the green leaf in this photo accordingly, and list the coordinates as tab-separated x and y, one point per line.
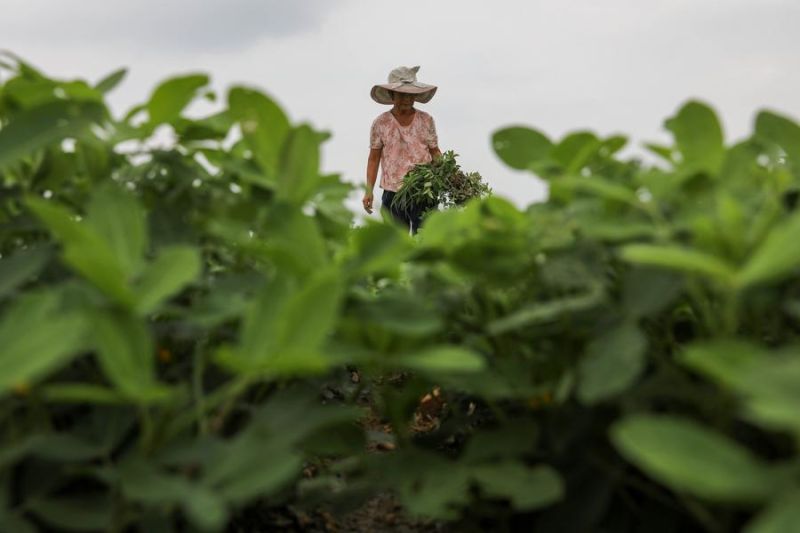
780	516
398	312
79	90
726	361
688	457
546	312
731	215
575	150
600	187
698	135
37	338
664	152
613	144
109	83
171	97
521	148
204	508
526	488
333	216
269	441
215	127
427	484
84	513
741	161
264	127
775	258
293	414
310	316
618	230
265	319
141	481
52	447
126	353
224	302
81	393
443	360
30	93
174	268
375	248
284	330
45	125
65	447
766	381
298	174
21	267
445	231
118	218
680	259
782	131
133	112
515	438
772	396
95	156
245	483
293	241
612	363
647	291
84	249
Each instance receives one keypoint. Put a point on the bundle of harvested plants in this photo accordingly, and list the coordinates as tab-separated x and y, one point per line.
439	184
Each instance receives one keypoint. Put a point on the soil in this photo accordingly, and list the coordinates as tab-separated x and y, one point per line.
383	513
380	514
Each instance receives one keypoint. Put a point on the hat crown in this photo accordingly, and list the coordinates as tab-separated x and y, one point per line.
403	80
403	75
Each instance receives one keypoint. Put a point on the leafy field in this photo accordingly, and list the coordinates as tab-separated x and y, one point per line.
196	337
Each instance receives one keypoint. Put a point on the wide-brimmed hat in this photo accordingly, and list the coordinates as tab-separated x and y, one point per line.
403	80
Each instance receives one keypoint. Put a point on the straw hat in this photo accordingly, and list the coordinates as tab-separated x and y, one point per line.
403	80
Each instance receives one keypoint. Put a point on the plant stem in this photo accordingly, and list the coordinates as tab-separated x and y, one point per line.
226	393
198	370
147	428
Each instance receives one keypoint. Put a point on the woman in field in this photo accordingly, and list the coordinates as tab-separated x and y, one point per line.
399	139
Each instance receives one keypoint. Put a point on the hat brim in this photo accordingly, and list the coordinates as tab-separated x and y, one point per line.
421	91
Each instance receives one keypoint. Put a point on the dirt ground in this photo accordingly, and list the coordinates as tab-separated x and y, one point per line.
380	514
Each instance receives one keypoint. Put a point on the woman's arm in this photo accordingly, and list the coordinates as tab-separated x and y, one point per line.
432	139
372	176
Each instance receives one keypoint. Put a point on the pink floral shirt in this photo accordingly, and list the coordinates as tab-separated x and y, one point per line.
403	146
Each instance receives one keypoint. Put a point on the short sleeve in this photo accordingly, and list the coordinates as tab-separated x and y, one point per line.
431	139
375	140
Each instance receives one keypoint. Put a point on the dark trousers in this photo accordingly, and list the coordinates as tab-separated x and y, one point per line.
411	218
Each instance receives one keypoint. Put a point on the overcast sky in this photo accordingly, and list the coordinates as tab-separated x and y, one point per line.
616	66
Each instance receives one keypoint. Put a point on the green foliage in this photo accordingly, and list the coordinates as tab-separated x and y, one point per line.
689	458
264	128
440	183
781	132
521	148
36	128
37	338
613	361
175	323
110	82
286	326
171	97
698	136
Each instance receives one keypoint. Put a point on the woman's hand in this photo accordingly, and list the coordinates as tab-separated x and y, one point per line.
372	176
367	201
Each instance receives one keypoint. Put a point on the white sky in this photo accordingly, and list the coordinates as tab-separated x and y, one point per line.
616	66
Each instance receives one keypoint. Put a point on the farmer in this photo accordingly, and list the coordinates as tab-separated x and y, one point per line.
399	139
